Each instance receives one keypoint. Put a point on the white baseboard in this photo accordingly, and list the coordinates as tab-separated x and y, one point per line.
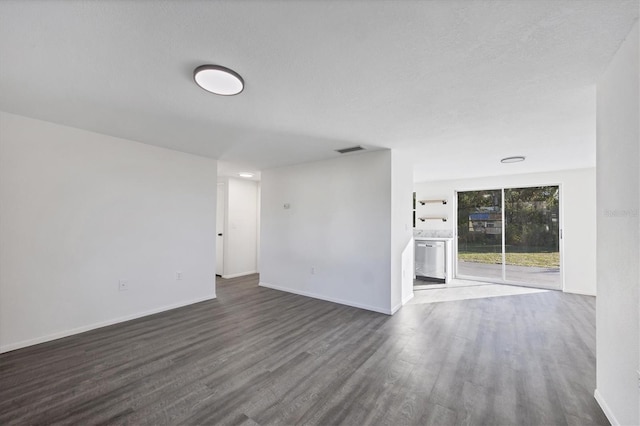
400	305
605	408
78	330
241	274
328	299
582	293
404	301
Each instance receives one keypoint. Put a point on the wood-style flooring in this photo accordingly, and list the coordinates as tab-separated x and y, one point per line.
261	356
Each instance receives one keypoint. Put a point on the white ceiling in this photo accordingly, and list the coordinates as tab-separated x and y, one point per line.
228	169
459	84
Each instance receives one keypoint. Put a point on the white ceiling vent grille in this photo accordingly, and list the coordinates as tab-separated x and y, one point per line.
351	149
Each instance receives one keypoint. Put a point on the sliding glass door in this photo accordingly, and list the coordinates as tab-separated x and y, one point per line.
480	234
532	236
510	235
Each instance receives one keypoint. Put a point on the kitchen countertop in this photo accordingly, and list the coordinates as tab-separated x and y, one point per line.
432	239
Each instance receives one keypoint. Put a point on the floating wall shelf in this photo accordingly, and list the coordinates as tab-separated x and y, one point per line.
442	218
423	202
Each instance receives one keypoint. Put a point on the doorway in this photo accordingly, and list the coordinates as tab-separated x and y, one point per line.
220	218
510	235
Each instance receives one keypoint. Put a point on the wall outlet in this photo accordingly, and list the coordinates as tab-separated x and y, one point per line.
178	275
123	285
287	206
313	270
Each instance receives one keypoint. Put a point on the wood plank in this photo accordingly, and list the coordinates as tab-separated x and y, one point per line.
262	356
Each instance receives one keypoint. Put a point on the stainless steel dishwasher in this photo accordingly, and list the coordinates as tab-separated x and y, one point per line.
430	260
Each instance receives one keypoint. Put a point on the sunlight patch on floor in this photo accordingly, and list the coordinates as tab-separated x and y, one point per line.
435	295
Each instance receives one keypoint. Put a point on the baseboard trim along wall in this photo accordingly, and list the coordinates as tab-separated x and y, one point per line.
400	305
328	299
396	308
605	408
241	274
78	330
581	293
405	301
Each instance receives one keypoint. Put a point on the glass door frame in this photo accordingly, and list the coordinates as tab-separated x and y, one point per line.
504	264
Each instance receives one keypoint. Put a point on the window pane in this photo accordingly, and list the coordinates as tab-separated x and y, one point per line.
480	234
532	236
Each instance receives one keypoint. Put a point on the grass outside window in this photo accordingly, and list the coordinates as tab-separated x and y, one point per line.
541	260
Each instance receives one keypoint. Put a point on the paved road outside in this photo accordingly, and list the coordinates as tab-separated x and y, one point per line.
531	275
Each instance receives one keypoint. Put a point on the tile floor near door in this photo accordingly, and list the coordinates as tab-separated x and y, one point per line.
261	356
452	294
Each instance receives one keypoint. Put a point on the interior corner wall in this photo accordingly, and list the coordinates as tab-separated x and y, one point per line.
241	235
402	257
618	255
325	230
578	213
79	212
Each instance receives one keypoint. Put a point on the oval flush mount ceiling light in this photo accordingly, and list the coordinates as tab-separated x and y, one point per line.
516	159
245	174
219	80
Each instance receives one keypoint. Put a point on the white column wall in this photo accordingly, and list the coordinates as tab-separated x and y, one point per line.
333	242
618	253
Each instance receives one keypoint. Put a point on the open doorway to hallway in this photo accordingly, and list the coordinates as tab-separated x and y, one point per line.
221	208
237	227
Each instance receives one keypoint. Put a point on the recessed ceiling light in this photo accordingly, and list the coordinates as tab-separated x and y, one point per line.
245	174
219	80
515	159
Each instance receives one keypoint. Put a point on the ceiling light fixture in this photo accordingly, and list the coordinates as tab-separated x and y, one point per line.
219	80
245	174
516	159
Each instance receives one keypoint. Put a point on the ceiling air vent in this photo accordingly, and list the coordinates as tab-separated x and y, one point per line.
351	149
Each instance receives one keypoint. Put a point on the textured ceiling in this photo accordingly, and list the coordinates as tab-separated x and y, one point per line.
459	84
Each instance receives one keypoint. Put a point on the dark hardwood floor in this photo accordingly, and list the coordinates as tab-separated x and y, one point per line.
261	356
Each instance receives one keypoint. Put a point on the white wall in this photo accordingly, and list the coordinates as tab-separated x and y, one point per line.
339	222
618	255
79	211
402	257
579	214
241	229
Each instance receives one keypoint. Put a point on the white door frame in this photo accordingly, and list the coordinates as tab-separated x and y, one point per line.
503	280
221	226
